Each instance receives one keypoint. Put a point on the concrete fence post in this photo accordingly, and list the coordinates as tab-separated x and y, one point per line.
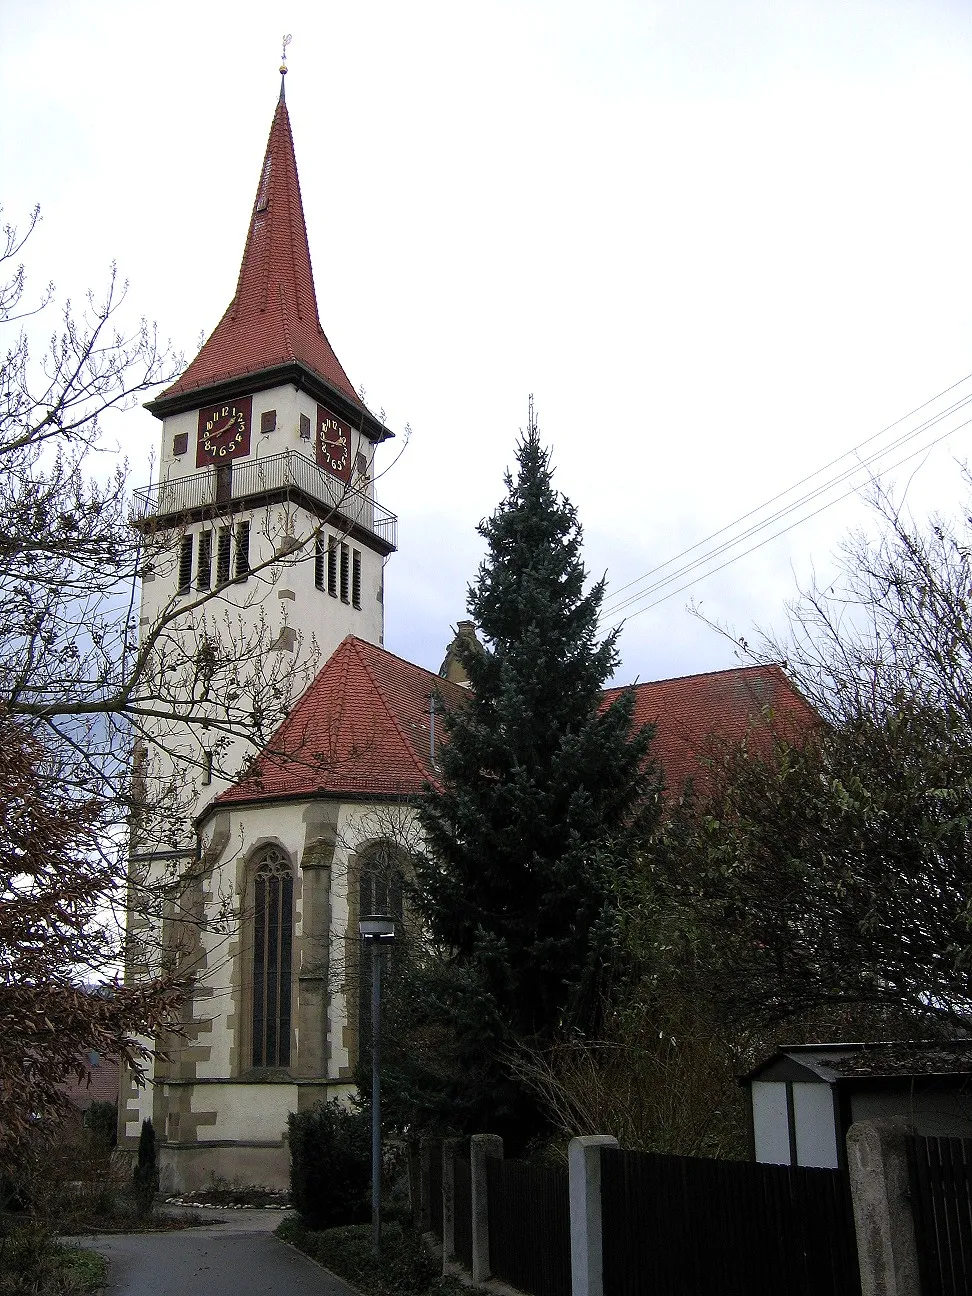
586	1256
886	1248
481	1146
422	1208
450	1147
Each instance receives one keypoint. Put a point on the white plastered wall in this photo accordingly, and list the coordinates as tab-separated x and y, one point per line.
282	602
219	1104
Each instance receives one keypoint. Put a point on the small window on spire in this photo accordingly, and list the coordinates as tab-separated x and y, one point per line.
224	542
332	567
320	561
263	197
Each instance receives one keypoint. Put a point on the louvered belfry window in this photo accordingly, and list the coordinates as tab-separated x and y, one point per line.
273	933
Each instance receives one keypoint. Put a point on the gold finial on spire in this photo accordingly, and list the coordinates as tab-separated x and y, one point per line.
283	62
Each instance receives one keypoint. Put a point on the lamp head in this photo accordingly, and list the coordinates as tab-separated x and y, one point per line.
377	927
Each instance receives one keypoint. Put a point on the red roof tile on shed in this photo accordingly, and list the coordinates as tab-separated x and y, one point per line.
273	318
362	728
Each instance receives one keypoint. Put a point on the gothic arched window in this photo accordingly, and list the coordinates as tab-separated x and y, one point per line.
273	940
380	886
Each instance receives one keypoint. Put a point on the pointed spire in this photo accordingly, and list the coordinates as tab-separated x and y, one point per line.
273	319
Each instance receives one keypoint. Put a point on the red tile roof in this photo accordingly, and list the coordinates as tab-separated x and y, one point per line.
694	714
273	318
103	1087
362	728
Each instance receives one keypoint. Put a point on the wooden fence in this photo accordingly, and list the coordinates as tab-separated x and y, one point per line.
632	1223
529	1226
941	1196
683	1226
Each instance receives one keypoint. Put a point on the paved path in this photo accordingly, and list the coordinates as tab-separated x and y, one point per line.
237	1258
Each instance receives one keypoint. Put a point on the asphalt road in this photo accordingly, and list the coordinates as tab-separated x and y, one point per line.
237	1258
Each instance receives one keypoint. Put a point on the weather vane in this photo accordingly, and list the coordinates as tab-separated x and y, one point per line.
283	63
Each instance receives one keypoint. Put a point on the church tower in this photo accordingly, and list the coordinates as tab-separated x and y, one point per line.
266	474
264	552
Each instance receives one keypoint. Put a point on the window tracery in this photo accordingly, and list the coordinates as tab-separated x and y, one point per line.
273	937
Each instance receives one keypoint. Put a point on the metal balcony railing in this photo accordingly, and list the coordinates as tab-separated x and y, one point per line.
275	475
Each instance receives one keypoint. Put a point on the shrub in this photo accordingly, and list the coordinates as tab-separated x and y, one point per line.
145	1176
330	1164
33	1264
68	1183
405	1267
101	1119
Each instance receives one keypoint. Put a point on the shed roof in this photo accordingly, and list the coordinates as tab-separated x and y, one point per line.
889	1059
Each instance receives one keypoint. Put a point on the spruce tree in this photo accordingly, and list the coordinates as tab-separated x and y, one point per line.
541	788
145	1174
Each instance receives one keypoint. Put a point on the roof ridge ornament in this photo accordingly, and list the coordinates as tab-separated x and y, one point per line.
283	64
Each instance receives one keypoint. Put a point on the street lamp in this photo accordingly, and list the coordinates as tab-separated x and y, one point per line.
376	930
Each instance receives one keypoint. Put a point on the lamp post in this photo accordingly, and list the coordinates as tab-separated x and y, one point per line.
376	930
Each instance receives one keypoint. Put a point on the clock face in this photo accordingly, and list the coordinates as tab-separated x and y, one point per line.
333	444
224	431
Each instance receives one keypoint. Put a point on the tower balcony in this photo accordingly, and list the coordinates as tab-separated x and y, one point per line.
253	483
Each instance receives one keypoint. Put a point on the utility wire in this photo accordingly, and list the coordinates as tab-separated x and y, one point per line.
808	498
783	530
616	605
789	490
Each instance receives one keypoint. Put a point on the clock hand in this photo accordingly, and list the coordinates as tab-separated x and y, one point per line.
223	427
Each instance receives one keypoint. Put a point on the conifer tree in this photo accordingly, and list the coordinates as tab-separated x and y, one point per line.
145	1175
541	786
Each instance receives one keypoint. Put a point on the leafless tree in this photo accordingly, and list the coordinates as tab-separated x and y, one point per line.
95	705
56	941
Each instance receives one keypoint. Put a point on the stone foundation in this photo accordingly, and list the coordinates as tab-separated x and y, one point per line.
187	1169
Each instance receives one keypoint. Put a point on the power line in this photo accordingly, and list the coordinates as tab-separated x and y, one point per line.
783	530
616	605
803	500
810	476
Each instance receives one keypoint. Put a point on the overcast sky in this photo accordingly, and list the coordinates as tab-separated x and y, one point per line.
721	242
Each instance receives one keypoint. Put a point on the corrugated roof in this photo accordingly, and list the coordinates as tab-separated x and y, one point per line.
273	319
883	1060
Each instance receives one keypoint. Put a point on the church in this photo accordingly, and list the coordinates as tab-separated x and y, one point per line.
266	494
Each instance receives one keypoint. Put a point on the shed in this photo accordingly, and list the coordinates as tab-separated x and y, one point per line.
805	1097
